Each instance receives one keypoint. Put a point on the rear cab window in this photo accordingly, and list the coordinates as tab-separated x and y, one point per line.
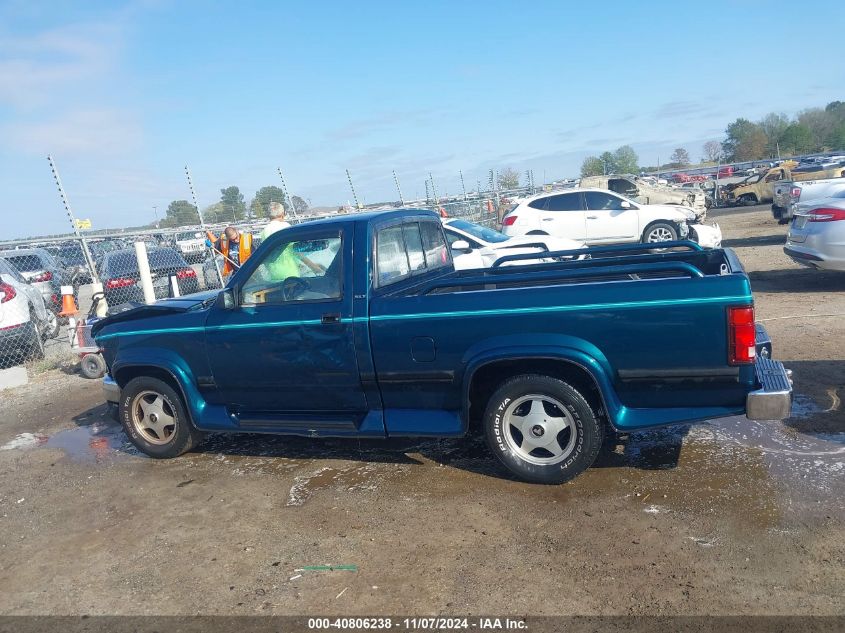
409	249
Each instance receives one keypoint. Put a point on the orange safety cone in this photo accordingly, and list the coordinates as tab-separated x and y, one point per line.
68	304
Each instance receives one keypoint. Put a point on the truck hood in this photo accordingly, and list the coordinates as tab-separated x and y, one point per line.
159	308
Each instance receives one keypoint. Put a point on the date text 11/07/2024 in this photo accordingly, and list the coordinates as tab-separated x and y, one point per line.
418	624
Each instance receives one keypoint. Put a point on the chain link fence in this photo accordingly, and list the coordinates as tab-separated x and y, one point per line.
35	320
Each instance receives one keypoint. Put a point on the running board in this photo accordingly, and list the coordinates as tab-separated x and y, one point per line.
297	421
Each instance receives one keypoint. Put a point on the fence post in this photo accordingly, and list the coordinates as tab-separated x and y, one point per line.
144	272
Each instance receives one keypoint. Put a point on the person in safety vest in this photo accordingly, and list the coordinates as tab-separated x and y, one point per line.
236	247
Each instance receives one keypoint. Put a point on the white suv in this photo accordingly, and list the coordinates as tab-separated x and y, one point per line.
598	216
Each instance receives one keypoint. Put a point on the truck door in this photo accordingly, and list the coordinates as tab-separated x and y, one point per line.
288	346
609	220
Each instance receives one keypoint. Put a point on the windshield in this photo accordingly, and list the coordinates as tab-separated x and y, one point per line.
72	256
125	262
481	232
26	263
191	235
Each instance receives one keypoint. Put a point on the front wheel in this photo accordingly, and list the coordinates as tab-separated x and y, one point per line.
660	232
542	429
155	419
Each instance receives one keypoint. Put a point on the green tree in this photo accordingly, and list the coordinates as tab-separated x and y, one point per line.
233	200
625	161
774	125
680	157
745	141
260	205
592	166
217	212
837	138
508	178
180	213
796	139
299	205
608	163
820	123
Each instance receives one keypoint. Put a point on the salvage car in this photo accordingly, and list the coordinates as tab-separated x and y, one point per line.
636	189
41	270
816	237
760	188
477	246
388	340
596	216
789	194
122	280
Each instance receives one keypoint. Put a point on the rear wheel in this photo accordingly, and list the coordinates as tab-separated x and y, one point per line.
155	419
542	429
50	327
748	200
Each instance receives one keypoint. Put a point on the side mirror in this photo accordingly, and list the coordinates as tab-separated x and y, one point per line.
625	204
227	299
461	245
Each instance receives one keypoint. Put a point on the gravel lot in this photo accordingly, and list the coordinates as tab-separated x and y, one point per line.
726	517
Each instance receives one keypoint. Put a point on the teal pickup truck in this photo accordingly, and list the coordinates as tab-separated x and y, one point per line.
359	326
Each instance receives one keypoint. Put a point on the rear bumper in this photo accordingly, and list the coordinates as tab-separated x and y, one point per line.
773	401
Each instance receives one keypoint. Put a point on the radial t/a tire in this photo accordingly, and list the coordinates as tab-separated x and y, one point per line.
155	419
542	429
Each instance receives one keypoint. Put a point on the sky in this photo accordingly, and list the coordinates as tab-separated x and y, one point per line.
125	95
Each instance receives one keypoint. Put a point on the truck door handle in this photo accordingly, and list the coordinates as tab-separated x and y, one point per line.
592	217
327	319
547	219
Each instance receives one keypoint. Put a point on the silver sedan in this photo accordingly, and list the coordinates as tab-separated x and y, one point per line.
817	234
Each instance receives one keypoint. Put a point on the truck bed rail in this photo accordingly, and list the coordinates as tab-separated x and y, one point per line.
522	276
599	250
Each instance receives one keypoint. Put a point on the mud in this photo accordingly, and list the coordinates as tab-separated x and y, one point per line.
724	517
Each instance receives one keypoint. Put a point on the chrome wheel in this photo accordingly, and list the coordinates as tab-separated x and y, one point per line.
660	234
539	429
153	417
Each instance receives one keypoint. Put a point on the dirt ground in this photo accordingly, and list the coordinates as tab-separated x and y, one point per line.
726	517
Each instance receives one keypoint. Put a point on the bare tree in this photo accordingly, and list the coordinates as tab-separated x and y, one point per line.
712	152
508	178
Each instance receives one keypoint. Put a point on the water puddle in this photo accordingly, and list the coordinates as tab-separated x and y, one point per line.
94	443
358	478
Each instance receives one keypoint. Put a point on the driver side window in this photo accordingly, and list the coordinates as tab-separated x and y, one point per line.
302	270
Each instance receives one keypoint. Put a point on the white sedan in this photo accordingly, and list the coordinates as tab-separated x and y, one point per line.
477	246
598	216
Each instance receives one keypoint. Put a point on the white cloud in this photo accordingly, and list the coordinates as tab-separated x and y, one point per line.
88	133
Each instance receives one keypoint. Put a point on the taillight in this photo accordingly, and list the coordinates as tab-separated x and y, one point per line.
7	291
742	340
826	215
795	192
120	282
185	273
509	220
45	276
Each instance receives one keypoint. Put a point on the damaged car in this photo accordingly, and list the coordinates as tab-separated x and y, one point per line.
598	216
643	192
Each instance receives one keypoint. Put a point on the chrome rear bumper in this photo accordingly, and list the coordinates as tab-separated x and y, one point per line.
773	401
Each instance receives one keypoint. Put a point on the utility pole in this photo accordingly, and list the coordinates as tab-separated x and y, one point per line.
352	187
202	223
433	190
427	193
155	210
285	194
399	189
463	186
88	259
